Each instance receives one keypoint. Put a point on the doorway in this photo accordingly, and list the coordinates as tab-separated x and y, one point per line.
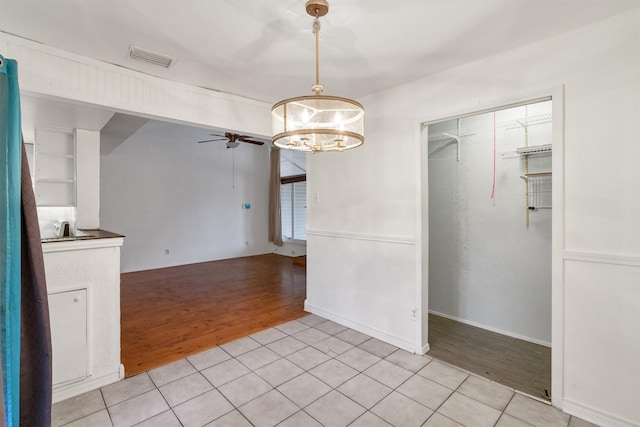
489	256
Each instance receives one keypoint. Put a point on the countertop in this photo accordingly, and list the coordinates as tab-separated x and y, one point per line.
84	235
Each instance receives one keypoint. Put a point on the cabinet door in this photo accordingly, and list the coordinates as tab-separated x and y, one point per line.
68	315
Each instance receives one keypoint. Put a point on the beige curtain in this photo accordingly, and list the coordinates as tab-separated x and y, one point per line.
275	222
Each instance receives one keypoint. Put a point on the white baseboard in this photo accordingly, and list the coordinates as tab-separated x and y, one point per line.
373	332
594	416
426	348
489	328
72	389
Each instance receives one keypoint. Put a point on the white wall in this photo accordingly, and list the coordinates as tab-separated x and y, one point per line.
487	267
162	190
361	243
87	179
374	194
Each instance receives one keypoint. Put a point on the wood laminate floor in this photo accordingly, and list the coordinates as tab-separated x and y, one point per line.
519	364
170	313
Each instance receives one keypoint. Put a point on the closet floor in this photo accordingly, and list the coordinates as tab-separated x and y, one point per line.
518	364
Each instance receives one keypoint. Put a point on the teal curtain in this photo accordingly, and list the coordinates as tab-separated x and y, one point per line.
10	249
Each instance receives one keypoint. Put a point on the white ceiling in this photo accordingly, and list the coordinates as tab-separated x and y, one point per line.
263	49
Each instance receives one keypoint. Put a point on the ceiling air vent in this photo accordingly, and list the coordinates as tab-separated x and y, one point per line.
154	58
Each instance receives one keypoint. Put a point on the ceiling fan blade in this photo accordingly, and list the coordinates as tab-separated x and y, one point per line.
212	140
250	141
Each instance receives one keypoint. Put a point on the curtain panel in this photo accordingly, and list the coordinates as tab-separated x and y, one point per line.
25	339
10	165
275	222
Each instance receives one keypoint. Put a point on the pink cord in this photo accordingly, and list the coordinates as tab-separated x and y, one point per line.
493	186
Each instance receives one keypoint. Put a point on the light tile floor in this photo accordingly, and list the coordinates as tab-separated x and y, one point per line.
309	372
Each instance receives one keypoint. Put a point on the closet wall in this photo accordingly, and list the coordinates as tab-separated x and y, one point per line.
489	255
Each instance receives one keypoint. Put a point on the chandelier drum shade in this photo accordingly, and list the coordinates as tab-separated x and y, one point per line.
317	122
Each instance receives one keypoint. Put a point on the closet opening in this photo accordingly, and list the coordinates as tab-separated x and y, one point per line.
489	253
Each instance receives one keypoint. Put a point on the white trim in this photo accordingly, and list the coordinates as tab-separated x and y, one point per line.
557	246
421	247
602	258
75	245
373	332
67	390
402	240
594	416
426	348
489	328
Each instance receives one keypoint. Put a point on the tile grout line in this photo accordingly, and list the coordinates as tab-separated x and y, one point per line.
105	407
448	397
164	398
505	408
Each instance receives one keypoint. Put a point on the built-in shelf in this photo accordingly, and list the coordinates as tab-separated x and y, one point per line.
55	167
58	155
55	181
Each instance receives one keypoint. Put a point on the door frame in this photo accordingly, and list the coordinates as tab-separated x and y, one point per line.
556	94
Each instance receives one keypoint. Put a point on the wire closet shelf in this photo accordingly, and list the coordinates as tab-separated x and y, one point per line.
540	190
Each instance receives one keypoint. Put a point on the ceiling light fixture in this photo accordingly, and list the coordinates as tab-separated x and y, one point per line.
317	122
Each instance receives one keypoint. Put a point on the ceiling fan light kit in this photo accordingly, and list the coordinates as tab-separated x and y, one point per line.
316	123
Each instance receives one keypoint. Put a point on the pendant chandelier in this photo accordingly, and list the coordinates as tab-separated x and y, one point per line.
317	122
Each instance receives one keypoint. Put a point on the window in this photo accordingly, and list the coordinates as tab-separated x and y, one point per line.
293	199
293	195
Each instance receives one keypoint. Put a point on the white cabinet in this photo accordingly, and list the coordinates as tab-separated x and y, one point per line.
83	286
55	167
68	315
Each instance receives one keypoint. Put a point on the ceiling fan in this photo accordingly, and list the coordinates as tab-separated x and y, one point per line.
233	139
